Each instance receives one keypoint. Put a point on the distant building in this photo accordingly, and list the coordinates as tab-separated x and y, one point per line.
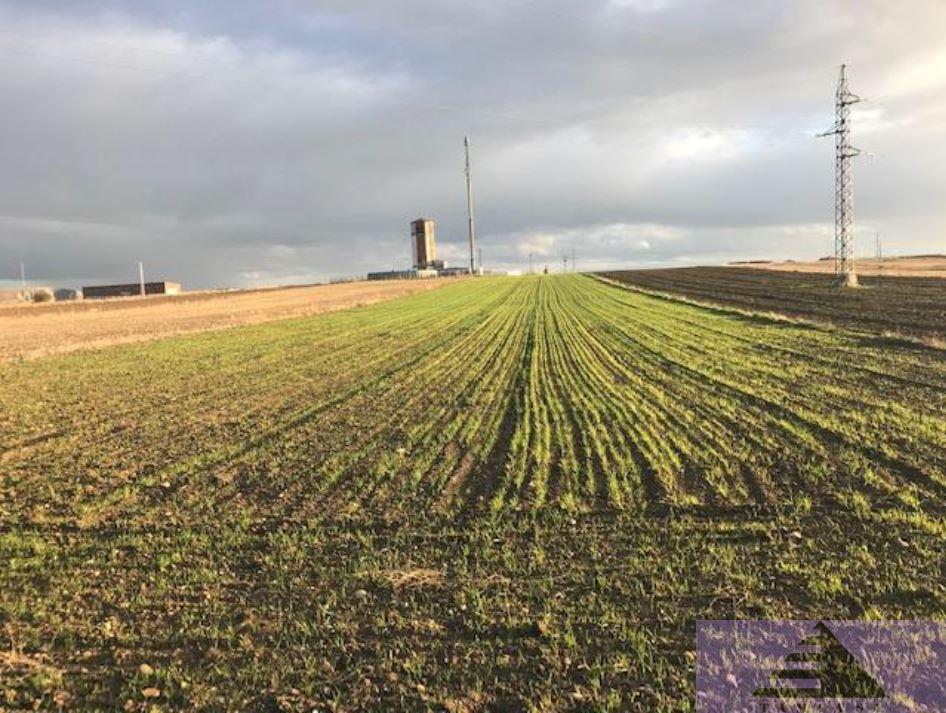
453	271
424	244
392	275
96	292
403	275
68	294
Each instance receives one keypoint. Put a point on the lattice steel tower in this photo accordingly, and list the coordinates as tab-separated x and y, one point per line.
844	269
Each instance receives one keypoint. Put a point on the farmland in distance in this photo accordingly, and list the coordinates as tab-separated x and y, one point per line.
502	494
909	306
35	330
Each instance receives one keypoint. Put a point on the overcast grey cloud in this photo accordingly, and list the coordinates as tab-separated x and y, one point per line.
236	143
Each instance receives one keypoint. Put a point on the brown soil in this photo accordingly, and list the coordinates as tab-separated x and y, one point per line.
920	266
36	330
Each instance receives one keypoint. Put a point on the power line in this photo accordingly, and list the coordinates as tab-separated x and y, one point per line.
412	104
663	34
106	64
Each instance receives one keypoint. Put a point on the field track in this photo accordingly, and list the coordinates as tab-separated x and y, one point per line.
504	493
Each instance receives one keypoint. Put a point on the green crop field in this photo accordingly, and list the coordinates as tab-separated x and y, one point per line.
505	494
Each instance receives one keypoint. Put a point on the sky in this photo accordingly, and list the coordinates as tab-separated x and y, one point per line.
237	143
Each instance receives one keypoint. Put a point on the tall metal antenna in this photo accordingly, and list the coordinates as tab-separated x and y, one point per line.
845	274
141	277
469	204
23	279
880	251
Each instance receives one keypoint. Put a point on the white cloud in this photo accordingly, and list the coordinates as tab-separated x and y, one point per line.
916	73
872	120
542	244
642	5
227	143
704	143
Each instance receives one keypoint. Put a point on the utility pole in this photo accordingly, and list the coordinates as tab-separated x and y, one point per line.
469	204
880	252
479	258
141	277
23	279
845	274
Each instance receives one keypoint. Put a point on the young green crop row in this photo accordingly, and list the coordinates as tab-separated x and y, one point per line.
483	396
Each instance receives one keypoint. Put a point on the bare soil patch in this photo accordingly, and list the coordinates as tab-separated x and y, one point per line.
886	305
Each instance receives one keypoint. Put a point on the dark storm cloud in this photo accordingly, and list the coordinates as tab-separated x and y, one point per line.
241	142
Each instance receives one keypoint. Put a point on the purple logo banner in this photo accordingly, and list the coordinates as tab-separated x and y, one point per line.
814	666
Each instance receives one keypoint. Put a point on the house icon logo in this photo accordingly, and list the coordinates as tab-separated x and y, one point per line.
821	667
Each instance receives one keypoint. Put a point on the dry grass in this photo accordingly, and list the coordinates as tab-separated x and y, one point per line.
31	331
921	266
414	578
18	661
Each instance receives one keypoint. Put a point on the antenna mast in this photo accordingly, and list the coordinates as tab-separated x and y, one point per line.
469	205
845	274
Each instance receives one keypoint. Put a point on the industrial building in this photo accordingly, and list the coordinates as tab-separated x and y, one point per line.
130	290
424	255
393	275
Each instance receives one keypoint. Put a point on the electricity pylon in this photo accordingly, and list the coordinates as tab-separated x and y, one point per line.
469	205
844	269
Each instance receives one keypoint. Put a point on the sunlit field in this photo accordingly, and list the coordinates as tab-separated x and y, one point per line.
503	494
